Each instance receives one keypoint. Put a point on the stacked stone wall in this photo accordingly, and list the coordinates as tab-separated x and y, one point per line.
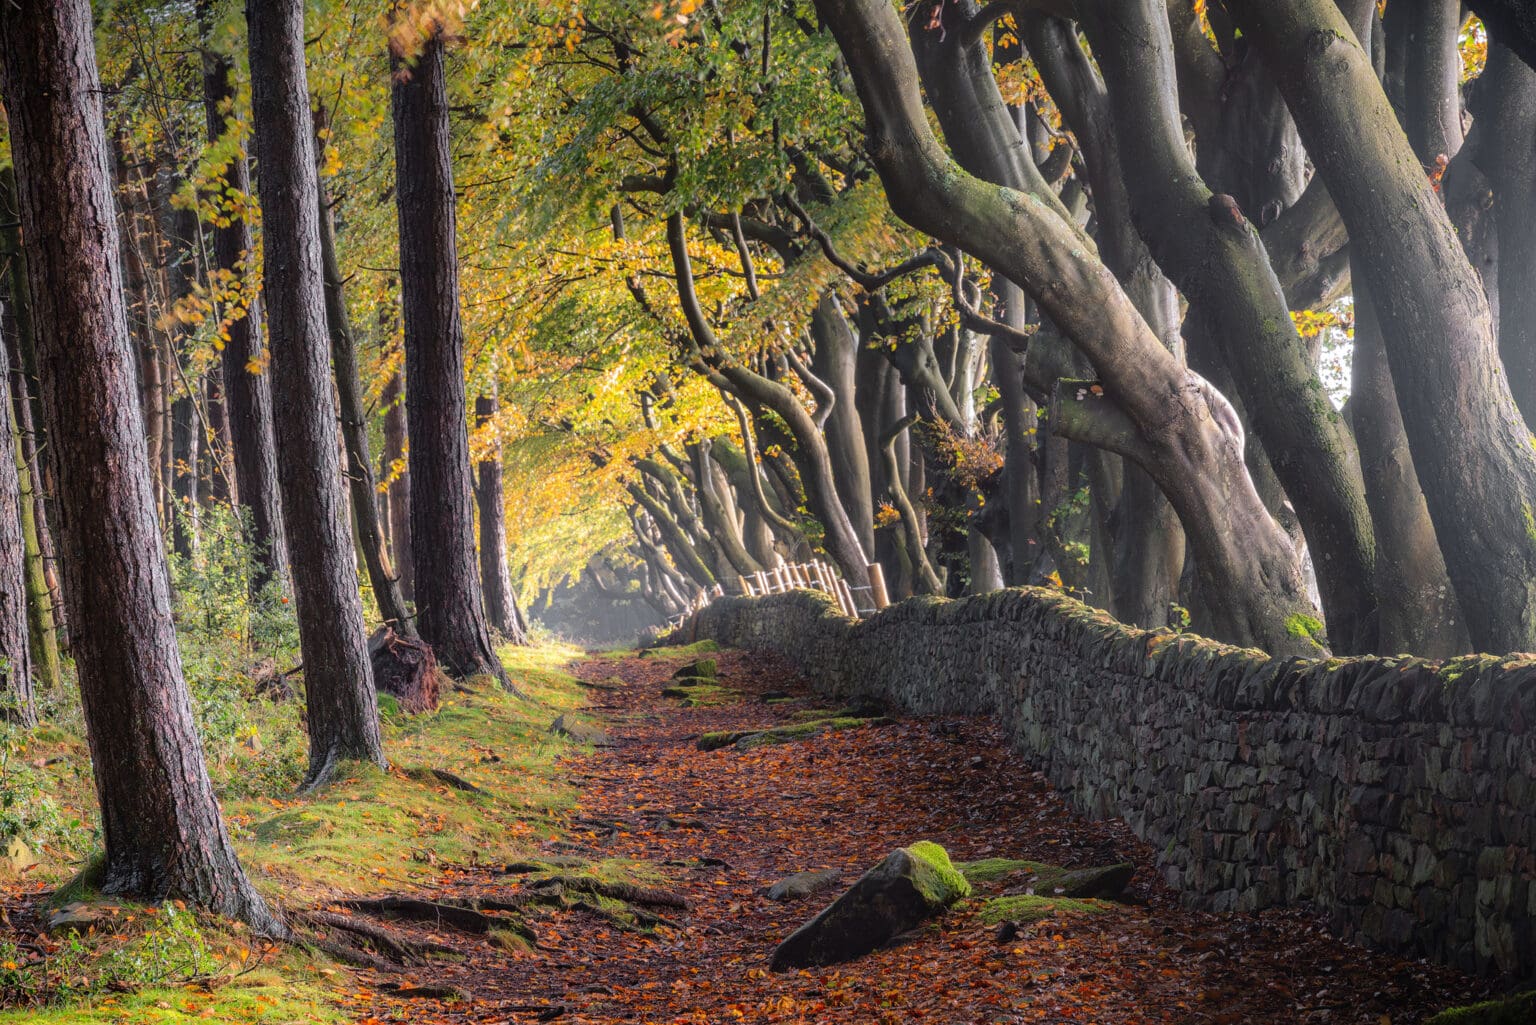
1393	794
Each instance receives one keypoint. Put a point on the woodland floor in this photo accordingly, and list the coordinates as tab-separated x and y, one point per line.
741	820
716	827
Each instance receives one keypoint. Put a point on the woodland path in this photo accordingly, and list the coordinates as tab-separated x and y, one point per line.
732	822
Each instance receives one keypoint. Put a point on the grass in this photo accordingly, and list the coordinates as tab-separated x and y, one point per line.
369	830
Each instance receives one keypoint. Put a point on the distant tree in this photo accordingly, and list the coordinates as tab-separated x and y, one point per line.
343	714
160	821
247	382
501	610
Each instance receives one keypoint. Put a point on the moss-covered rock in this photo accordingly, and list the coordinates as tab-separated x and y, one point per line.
909	886
1107	882
1519	1009
699	669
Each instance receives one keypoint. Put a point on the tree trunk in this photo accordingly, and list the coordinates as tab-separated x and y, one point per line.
247	380
1504	146
354	434
1147	406
343	715
394	462
16	666
186	427
160	820
1213	254
448	599
495	578
1419	611
834	362
1470	445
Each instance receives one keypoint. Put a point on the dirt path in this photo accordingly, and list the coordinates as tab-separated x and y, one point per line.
731	822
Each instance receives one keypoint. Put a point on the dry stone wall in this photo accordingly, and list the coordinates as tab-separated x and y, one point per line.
1393	794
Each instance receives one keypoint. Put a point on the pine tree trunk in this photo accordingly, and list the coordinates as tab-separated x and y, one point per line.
400	488
247	380
501	611
448	599
15	651
338	681
46	600
354	433
160	820
186	422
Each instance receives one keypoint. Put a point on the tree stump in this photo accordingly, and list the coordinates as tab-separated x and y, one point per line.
405	668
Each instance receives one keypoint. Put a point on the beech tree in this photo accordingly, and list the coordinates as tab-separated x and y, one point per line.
343	716
448	597
160	821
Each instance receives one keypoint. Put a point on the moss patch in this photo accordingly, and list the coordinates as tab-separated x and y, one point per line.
682	650
1027	907
937	858
391	828
989	870
1516	1010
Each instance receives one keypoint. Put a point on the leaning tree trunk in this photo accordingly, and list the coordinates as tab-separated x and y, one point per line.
160	820
1147	406
1470	444
354	433
343	715
247	381
448	599
501	611
15	651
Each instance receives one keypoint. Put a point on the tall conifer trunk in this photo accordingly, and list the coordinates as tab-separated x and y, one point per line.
247	382
160	820
448	599
338	681
495	578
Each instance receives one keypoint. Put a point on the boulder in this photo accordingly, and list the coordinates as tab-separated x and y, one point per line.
909	886
80	916
580	732
801	884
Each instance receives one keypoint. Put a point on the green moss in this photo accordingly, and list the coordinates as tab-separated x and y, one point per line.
683	650
937	858
1304	627
264	998
1026	907
1516	1010
1530	521
797	731
989	870
84	884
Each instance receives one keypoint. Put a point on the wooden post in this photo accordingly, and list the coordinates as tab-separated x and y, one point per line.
877	586
853	605
778	578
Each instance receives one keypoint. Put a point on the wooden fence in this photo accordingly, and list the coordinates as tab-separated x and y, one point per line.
813	576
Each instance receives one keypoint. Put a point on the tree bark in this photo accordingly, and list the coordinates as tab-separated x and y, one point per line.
501	610
186	431
449	603
354	434
343	715
247	381
16	665
1213	254
160	820
394	462
1151	410
1469	442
